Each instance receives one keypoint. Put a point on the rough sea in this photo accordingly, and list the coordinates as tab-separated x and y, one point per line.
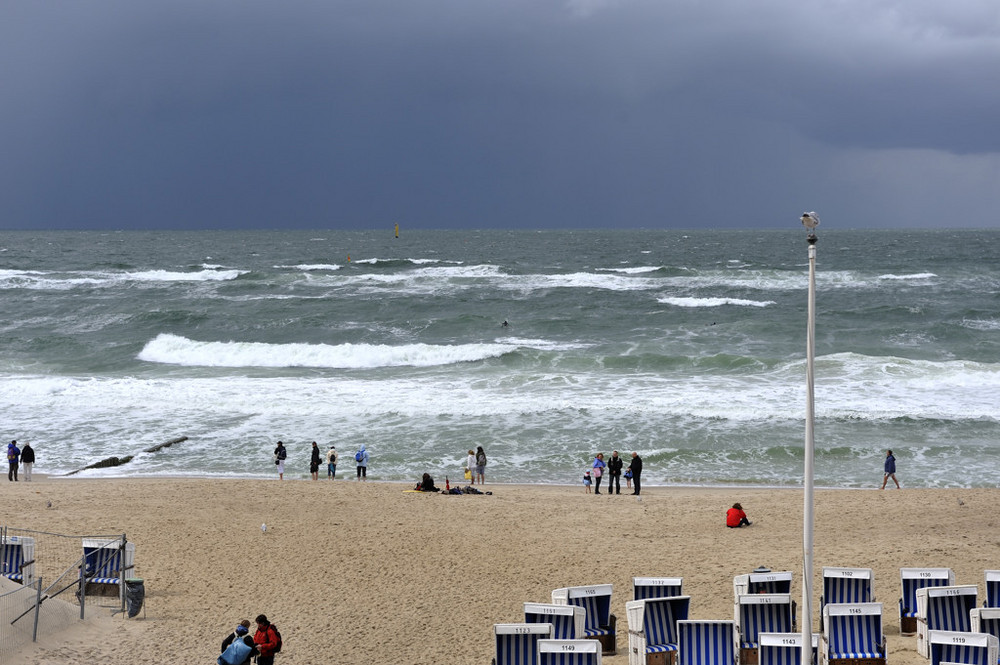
686	346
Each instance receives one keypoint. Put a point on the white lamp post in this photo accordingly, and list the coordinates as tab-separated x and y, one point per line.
809	220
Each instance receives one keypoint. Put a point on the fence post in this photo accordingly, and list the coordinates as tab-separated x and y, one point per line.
81	592
38	607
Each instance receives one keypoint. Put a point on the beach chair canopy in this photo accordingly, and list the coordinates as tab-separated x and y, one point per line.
567	620
517	643
783	648
946	607
107	561
569	652
962	647
985	620
17	559
706	643
919	578
656	587
992	589
763	613
762	581
596	600
852	631
652	625
848	585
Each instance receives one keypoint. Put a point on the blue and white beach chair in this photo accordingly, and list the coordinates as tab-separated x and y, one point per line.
706	643
106	566
852	632
985	620
992	589
600	624
761	613
517	643
17	559
652	628
569	652
913	579
962	647
762	580
783	648
944	608
847	585
567	620
656	587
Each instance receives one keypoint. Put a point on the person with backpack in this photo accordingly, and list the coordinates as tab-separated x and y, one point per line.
13	458
361	458
280	454
480	465
267	640
331	463
238	647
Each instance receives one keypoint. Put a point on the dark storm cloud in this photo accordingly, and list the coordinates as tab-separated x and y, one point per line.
469	114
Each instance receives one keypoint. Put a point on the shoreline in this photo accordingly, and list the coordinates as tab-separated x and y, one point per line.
369	572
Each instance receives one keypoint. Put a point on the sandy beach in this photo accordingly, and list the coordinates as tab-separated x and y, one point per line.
367	573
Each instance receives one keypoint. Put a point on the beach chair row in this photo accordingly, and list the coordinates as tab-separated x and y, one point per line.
105	563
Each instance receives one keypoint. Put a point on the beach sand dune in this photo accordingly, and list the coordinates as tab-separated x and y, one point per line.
366	573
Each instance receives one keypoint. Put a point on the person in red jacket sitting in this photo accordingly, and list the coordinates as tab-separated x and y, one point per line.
266	639
735	517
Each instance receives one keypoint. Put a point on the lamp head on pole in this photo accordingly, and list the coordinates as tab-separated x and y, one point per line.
810	220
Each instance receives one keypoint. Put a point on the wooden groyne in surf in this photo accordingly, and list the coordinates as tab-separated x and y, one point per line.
118	461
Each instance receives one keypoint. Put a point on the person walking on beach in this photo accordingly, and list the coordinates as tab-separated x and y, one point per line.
614	474
267	640
480	465
586	481
636	468
27	460
361	457
598	472
13	458
890	470
238	647
314	461
331	463
280	455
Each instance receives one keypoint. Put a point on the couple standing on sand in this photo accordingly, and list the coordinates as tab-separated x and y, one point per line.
614	470
239	647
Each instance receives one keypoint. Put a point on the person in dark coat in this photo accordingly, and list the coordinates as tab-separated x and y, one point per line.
27	461
242	632
614	473
636	468
890	470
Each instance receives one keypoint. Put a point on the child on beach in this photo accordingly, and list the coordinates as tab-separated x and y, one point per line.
586	481
628	478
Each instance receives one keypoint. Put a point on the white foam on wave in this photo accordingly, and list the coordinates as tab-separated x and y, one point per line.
916	276
713	302
981	324
34	279
312	266
177	350
174	276
636	270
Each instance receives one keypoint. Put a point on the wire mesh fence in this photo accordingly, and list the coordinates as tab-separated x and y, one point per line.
19	613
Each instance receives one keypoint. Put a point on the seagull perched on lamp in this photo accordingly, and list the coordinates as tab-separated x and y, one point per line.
810	220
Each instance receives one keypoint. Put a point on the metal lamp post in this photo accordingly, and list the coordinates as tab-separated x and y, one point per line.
809	220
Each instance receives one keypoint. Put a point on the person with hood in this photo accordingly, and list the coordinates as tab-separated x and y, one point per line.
280	454
13	458
890	470
27	460
266	640
245	648
331	463
361	458
614	473
314	461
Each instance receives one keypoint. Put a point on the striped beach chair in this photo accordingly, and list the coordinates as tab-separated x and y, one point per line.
761	613
911	580
784	648
985	620
600	624
656	587
652	629
762	580
852	632
569	652
706	643
17	559
992	589
847	585
946	608
961	647
567	620
517	643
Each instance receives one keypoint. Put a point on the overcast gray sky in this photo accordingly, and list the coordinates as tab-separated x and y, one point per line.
498	113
